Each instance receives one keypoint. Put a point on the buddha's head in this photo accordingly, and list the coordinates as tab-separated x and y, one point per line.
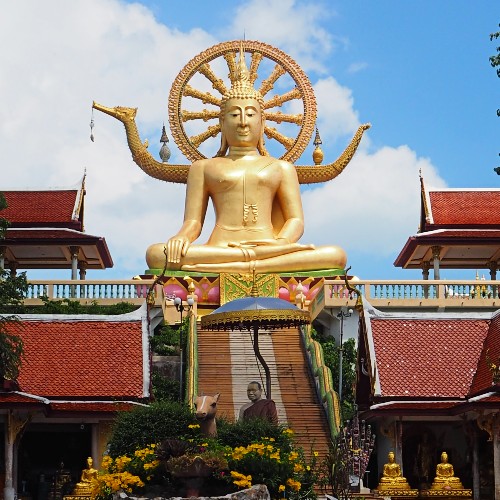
89	462
390	457
241	115
444	457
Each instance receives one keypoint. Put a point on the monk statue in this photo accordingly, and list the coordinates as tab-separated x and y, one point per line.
256	198
445	476
392	478
258	407
84	487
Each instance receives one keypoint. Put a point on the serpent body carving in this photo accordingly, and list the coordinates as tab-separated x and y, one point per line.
307	174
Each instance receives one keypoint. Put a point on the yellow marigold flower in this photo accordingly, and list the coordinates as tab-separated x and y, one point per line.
204	444
107	461
293	456
308	467
298	467
288	432
315	453
294	485
281	488
194	426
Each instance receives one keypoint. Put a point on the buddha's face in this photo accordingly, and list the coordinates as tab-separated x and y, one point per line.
253	392
391	457
89	462
241	122
444	457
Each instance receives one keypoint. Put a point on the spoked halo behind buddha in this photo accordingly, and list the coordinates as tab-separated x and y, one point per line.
256	198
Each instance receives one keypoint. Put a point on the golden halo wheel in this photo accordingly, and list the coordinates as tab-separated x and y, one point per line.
274	65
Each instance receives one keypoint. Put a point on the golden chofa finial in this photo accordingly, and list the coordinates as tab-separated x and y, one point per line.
318	152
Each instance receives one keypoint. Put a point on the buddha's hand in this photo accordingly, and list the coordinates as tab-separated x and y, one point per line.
177	247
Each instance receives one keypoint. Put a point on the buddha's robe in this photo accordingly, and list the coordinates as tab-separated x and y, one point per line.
264	408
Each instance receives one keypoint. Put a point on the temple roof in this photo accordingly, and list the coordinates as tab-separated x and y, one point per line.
82	363
464	223
429	361
49	248
56	207
44	224
461	208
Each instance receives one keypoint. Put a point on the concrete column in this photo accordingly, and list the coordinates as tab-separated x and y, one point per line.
436	254
399	443
493	266
3	251
13	268
425	270
82	266
14	426
74	262
475	465
496	453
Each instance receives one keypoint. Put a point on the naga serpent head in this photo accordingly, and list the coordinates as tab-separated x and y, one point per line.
119	112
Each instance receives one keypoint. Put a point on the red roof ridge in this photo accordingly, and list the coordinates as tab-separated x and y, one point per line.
79	185
375	313
459	190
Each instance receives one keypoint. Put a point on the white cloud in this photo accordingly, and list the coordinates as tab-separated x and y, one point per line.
357	67
292	26
373	206
60	56
336	113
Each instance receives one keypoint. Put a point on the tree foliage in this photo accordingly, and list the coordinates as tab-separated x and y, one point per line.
12	291
331	354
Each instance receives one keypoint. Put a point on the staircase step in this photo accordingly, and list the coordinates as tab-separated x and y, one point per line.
226	364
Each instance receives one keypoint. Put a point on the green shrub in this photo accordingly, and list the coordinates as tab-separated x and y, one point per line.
149	424
165	341
245	432
164	389
68	306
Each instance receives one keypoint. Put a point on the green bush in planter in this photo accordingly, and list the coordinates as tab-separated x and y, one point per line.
149	424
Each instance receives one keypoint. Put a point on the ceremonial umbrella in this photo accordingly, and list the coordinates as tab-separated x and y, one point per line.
254	313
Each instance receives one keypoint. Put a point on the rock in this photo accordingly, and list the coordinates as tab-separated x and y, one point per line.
257	492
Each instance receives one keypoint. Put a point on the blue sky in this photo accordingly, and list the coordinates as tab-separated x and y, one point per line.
418	71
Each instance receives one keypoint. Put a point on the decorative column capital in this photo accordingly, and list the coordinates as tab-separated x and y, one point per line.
74	250
436	251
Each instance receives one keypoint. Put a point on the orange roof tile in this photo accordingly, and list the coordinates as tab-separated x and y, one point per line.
42	208
418	358
465	207
483	376
100	359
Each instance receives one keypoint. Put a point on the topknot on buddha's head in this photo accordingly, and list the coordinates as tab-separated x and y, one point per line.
241	86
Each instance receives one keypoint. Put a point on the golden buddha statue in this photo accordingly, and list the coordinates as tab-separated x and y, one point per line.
392	478
445	476
258	210
84	487
246	189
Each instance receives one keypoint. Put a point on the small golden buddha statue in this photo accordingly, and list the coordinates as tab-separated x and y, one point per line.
445	476
392	478
84	487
